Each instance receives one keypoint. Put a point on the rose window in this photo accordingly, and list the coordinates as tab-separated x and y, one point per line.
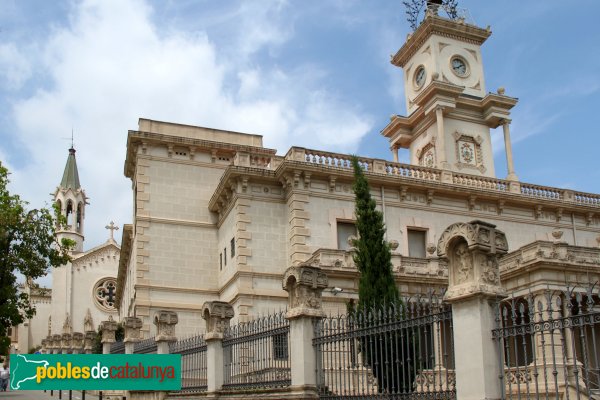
105	293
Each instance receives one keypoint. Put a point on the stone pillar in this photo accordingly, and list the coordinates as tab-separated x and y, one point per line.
132	327
508	148
441	139
77	343
88	342
43	349
472	251
108	334
217	315
165	322
394	150
57	341
304	285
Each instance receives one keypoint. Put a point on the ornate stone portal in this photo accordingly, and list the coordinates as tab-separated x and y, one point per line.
472	250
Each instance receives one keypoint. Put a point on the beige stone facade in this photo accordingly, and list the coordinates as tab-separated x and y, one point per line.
218	217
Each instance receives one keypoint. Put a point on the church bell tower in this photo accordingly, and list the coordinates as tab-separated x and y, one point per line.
449	111
71	200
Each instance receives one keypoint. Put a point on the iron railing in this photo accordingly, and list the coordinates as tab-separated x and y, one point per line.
193	363
146	346
117	348
256	353
549	344
404	350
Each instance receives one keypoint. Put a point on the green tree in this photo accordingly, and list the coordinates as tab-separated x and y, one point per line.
373	257
28	247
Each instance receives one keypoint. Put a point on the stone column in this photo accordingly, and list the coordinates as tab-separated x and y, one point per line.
108	334
304	285
88	342
165	322
57	341
77	343
473	251
217	315
508	148
132	327
394	150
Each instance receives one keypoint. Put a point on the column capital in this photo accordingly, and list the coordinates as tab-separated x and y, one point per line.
165	322
472	250
108	330
78	341
217	315
88	341
305	284
132	326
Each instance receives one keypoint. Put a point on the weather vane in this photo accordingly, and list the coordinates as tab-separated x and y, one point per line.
414	9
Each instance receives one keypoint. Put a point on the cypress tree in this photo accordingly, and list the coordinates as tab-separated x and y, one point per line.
373	257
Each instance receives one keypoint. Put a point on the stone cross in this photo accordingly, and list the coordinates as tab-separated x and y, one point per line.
112	227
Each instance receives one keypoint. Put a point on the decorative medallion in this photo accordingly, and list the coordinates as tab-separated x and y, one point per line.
467	152
427	156
105	292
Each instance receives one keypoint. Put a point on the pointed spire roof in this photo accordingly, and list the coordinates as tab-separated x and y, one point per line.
70	177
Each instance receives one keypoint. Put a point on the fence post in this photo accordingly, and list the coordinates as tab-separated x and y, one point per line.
304	285
165	322
88	341
472	251
132	327
217	315
108	334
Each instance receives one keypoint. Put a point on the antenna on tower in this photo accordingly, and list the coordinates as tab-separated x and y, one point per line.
417	8
71	139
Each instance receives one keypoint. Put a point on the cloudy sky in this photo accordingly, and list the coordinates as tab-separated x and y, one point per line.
312	73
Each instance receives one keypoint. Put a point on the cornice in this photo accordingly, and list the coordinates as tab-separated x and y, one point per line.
437	25
142	138
124	257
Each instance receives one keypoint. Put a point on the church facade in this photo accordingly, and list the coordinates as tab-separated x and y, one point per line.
83	291
217	216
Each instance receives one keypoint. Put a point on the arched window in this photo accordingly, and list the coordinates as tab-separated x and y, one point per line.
69	213
79	212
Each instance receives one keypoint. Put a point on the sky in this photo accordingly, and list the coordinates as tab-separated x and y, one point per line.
312	73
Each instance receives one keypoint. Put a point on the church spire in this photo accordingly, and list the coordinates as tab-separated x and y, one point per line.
71	200
70	179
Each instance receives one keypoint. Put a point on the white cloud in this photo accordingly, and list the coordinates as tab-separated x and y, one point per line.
112	65
14	67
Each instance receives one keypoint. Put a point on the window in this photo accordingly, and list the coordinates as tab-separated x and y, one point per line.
221	261
232	247
225	255
344	231
280	346
416	243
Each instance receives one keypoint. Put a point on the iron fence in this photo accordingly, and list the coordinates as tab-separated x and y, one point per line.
193	363
146	346
117	348
404	350
256	353
549	344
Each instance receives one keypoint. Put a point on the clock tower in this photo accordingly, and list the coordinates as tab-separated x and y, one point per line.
449	111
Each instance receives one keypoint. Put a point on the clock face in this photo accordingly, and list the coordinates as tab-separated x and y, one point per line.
459	66
420	76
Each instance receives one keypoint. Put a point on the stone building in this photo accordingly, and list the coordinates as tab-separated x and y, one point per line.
217	216
83	291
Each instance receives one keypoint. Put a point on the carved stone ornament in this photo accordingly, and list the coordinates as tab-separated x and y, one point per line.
67	341
132	327
472	250
108	330
165	322
305	285
88	322
89	338
217	315
56	341
78	340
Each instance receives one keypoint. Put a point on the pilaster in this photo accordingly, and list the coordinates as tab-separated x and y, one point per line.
299	219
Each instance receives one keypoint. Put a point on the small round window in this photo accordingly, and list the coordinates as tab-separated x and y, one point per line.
105	293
